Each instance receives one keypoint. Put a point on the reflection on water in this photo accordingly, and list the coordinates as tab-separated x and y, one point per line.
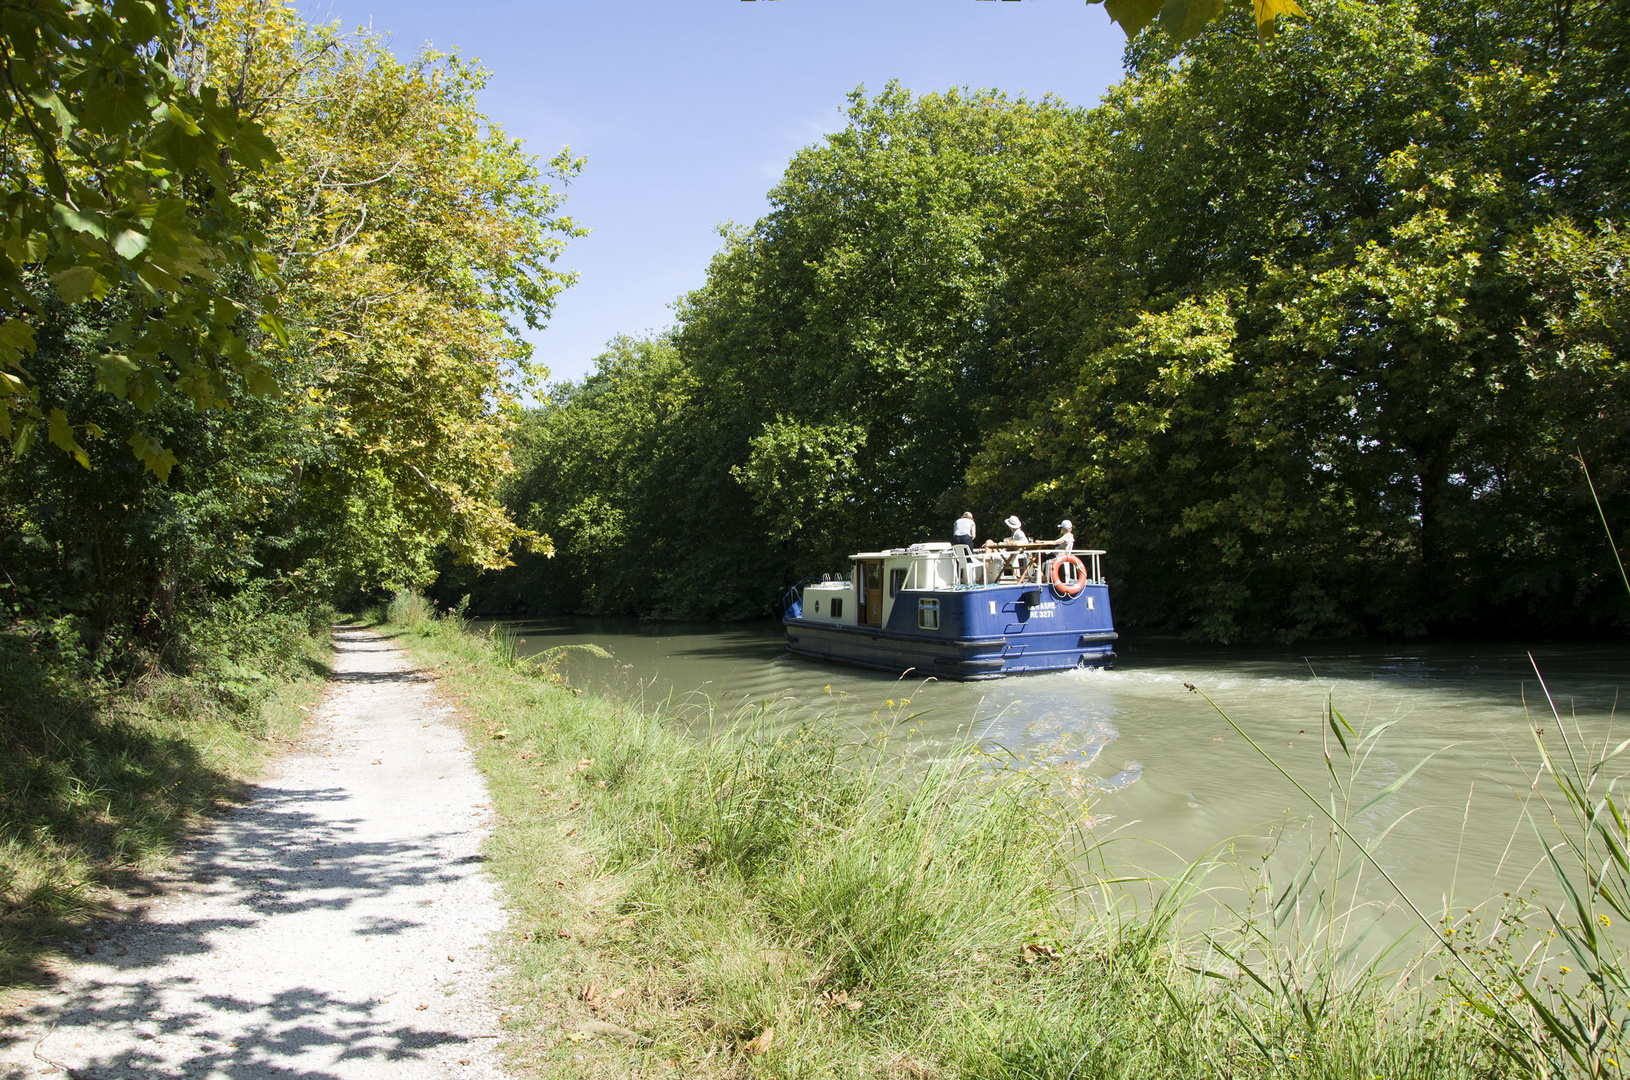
1170	778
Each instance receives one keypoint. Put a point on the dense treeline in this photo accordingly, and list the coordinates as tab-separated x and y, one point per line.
339	410
1307	336
262	287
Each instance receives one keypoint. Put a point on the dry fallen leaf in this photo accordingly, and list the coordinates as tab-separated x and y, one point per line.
761	1044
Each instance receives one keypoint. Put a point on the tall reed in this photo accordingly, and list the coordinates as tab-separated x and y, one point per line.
792	897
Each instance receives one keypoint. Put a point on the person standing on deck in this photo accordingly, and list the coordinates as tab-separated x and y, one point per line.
964	531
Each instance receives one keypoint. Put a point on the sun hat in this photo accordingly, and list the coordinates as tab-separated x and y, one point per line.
1013	521
1066	524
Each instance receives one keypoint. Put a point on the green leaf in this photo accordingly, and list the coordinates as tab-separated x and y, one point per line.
61	434
1336	727
113	108
182	120
16	334
23	441
48	100
261	382
1268	14
220	119
140	18
273	325
158	279
113	371
1133	15
254	147
79	283
152	454
129	243
90	224
1182	19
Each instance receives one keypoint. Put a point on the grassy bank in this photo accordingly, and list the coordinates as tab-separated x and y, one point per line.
807	903
100	775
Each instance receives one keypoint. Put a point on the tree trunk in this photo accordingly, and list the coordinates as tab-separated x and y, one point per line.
1432	475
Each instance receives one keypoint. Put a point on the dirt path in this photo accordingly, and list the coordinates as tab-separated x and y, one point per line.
334	926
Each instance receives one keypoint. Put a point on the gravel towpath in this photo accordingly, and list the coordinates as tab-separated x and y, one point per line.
334	926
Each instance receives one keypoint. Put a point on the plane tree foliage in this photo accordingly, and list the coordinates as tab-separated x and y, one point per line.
335	366
1306	332
1337	406
416	242
121	179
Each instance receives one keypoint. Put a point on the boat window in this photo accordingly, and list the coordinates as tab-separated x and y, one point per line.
897	580
837	607
928	614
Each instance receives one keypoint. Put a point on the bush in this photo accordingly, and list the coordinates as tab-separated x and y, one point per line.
102	765
408	609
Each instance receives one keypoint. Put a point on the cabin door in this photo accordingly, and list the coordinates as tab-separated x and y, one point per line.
871	594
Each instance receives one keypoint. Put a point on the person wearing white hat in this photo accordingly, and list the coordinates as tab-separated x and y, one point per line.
1066	535
1016	563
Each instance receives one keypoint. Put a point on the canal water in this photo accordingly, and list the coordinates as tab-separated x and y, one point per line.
1167	779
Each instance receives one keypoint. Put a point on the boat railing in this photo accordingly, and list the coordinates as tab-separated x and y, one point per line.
1026	563
794	597
1004	563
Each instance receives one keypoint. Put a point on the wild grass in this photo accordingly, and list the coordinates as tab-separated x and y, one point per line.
100	778
805	900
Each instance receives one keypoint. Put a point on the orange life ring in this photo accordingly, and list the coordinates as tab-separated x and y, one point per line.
1080	575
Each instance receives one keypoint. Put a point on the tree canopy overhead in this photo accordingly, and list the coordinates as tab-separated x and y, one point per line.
120	179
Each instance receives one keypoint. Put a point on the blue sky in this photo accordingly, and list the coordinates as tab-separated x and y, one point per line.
688	111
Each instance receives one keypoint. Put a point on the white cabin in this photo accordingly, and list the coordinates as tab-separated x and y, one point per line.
881	576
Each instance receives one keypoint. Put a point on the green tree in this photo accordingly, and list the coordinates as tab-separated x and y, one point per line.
596	471
118	178
851	325
411	242
1374	440
416	241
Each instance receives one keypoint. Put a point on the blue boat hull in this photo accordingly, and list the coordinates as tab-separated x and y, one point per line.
984	633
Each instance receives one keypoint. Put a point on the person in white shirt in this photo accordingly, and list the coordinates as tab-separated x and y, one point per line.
963	532
1017	526
1066	538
